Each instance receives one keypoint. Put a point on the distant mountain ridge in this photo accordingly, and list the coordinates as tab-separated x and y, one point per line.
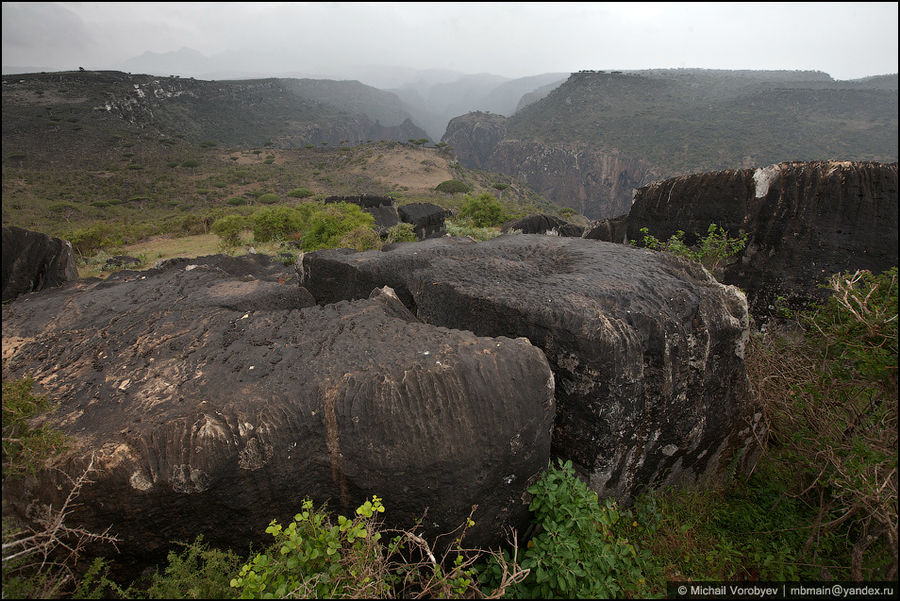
71	114
589	142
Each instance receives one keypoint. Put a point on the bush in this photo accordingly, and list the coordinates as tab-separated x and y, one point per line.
236	201
229	229
329	225
25	448
190	163
482	210
402	232
576	553
278	223
831	399
360	238
318	557
300	193
268	198
89	239
453	186
711	249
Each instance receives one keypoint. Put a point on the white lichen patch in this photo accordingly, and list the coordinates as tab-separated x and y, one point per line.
211	428
139	481
255	455
187	479
763	178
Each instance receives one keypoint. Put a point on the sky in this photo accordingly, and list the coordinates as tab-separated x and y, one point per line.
845	40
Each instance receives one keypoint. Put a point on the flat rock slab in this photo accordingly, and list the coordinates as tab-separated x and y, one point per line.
646	348
212	410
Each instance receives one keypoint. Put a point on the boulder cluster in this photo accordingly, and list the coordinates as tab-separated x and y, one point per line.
213	394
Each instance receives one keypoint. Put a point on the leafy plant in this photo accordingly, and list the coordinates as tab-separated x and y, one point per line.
328	225
268	198
711	249
576	552
279	223
300	193
453	186
402	232
25	448
229	229
831	398
482	211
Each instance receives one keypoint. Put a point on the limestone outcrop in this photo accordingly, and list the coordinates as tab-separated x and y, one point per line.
33	261
646	348
214	395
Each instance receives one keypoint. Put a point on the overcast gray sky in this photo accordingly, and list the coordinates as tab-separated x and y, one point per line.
845	40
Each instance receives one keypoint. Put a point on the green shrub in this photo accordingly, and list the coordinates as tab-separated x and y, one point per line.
89	239
268	198
402	232
278	223
300	193
237	201
476	233
576	552
711	250
329	224
229	229
831	399
25	448
197	572
482	210
190	163
453	186
360	238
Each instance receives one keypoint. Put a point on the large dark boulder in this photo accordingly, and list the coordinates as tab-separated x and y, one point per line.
805	222
646	348
543	224
427	219
613	229
209	410
34	261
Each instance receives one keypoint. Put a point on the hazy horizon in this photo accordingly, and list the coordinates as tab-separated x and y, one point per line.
382	41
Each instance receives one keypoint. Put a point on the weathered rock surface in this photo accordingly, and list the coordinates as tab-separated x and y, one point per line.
33	261
806	221
426	218
474	136
543	224
210	410
613	229
646	349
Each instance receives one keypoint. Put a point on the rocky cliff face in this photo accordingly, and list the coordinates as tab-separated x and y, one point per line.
806	221
592	140
474	136
597	184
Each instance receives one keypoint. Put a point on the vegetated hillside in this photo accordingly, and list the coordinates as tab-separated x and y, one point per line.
647	125
150	188
84	116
